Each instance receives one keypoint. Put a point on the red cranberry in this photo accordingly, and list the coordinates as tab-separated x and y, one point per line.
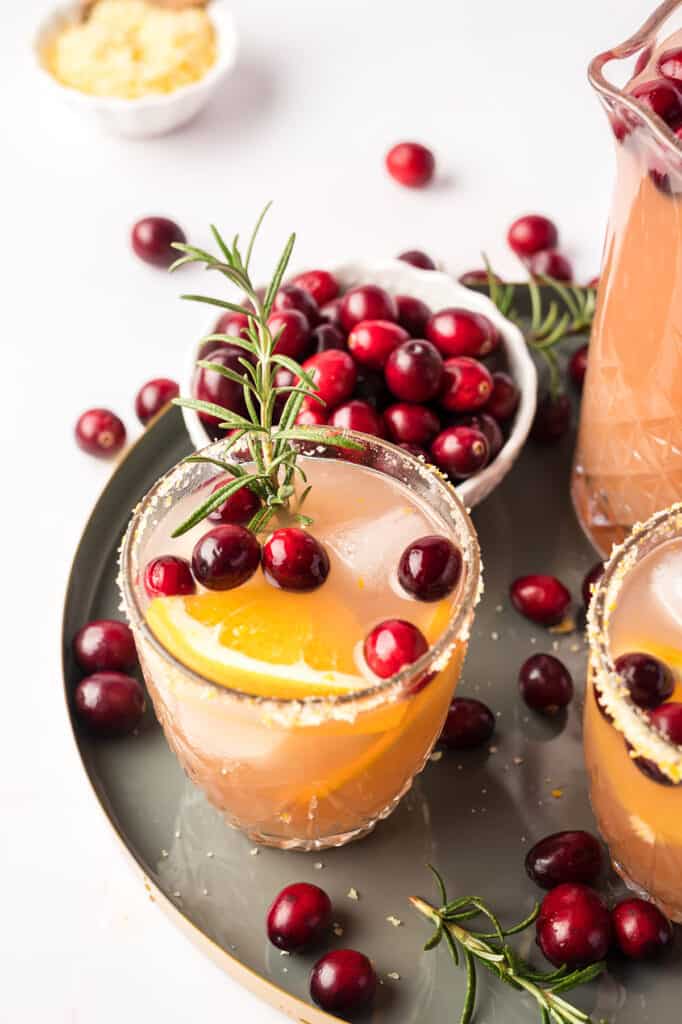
392	645
152	239
669	64
290	296
648	680
312	415
343	982
641	930
504	398
357	415
552	419
299	917
545	684
236	325
294	560
467	384
542	599
414	371
662	98
334	374
461	332
331	313
239	508
590	581
667	719
153	396
411	164
105	645
490	428
326	336
411	424
574	926
430	568
293	328
368	302
642	60
550	263
168	576
565	857
371	387
460	451
225	557
469	724
109	703
100	432
322	285
472	278
577	367
417	258
413	315
532	233
372	341
211	386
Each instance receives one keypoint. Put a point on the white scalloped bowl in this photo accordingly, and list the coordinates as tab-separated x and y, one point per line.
438	290
146	116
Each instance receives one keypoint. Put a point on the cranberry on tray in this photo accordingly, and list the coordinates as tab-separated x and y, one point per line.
550	263
543	599
109	703
343	982
469	724
574	926
105	645
642	931
569	856
545	683
299	917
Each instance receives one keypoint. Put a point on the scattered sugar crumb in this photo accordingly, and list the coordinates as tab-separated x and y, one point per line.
517	760
460	767
499	608
494	635
254	851
164	854
395	921
533	639
285	970
566	625
284	952
318	865
205	892
555	645
393	975
575	648
176	895
523	839
353	894
210	853
337	929
436	755
493	750
178	834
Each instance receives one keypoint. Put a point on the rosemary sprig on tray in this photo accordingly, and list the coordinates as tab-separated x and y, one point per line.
491	949
274	458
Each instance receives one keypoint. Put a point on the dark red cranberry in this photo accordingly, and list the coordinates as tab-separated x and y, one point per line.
295	560
413	315
331	313
469	724
461	332
372	341
642	60
105	645
100	432
590	581
489	427
648	680
552	419
293	328
371	387
290	296
367	302
109	703
550	263
545	684
460	451
504	398
299	917
532	233
239	508
467	385
417	258
334	373
411	164
312	415
577	367
153	396
207	348
667	719
211	386
473	278
669	64
235	325
322	285
343	982
542	599
168	576
565	857
574	926
430	568
414	371
411	424
357	415
641	930
392	645
152	239
662	98
225	557
326	336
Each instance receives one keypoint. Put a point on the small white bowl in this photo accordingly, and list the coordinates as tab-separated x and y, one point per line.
151	115
438	290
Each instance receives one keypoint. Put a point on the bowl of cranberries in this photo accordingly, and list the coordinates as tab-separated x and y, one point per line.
399	352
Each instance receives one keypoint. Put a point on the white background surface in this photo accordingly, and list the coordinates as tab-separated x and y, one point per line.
322	89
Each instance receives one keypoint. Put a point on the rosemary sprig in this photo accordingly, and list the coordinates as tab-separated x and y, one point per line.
491	949
274	456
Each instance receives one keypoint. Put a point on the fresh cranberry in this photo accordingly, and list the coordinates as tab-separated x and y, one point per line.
467	384
413	315
490	428
542	599
299	917
662	98
669	64
411	424
430	568
153	396
100	432
550	263
109	703
371	387
239	508
152	239
293	328
472	278
461	332
312	415
469	724
368	302
590	581
331	313
545	683
334	374
504	398
417	258
648	680
532	233
642	60
320	284
325	337
414	371
211	386
168	576
372	341
552	419
411	164
358	415
460	451
667	719
641	930
225	557
343	982
565	857
577	366
392	645
295	560
235	325
574	926
105	645
290	296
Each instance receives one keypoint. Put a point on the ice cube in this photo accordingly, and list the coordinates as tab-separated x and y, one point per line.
371	548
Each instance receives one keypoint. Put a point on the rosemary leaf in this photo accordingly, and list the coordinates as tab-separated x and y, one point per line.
229	418
470	997
280	271
220	303
254	235
321	436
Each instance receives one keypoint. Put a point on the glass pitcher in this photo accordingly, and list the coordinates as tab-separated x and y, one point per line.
628	461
